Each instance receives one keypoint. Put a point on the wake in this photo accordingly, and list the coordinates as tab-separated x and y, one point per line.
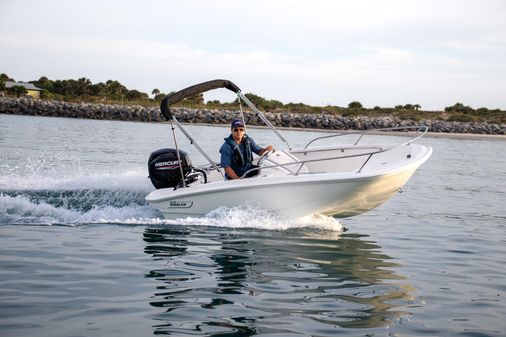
74	201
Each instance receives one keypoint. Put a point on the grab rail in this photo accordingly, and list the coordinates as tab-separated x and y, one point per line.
362	133
368	154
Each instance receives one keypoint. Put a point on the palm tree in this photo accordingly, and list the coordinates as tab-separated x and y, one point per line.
155	92
44	83
115	89
83	86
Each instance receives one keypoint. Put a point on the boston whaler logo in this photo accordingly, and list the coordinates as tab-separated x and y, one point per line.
180	204
167	165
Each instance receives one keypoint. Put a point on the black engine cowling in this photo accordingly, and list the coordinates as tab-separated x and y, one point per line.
164	170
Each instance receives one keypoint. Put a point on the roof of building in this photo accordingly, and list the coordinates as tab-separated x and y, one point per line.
28	86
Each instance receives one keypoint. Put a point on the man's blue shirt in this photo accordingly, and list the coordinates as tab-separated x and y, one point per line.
228	158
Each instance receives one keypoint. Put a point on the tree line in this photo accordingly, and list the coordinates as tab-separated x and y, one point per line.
83	88
113	91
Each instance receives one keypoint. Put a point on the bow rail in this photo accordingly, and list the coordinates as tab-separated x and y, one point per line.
421	130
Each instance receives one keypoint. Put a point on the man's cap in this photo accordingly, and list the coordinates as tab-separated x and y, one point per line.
236	123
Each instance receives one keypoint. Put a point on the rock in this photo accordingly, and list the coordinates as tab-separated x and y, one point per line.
29	106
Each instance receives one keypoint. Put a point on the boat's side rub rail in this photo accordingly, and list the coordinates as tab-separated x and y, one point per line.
422	129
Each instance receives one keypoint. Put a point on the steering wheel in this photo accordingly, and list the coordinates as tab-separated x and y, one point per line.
264	156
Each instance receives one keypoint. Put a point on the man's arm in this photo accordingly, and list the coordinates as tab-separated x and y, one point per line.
231	173
258	150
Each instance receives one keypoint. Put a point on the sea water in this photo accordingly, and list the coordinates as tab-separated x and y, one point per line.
81	254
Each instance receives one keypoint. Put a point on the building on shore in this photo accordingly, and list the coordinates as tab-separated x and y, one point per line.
31	89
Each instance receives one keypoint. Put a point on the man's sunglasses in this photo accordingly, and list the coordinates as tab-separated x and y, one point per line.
238	130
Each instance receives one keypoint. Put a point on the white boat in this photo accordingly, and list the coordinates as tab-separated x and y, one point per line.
336	180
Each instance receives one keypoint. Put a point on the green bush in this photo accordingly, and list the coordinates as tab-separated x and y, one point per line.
355	105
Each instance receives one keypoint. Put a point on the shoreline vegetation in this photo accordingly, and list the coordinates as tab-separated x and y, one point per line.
322	121
113	101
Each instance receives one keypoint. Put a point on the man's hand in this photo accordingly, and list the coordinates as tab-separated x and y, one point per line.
267	148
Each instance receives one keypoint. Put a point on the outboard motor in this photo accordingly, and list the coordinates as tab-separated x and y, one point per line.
164	170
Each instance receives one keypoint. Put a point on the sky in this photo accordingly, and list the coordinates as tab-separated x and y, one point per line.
434	53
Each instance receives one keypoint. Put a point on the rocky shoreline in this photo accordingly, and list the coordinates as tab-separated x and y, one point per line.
35	107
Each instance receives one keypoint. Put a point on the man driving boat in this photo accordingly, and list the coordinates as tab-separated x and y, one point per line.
237	152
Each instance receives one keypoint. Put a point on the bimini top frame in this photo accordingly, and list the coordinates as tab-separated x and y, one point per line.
201	88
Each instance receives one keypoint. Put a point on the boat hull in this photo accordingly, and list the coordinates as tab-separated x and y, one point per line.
335	194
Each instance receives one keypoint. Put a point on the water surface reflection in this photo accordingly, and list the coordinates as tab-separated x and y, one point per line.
242	283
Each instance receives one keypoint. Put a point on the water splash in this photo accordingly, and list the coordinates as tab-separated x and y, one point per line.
250	215
126	180
21	210
33	194
27	210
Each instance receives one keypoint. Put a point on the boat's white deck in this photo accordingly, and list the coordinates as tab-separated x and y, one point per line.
348	159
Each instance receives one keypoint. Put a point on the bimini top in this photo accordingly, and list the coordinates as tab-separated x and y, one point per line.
192	91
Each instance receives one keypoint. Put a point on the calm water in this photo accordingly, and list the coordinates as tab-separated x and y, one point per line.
82	255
